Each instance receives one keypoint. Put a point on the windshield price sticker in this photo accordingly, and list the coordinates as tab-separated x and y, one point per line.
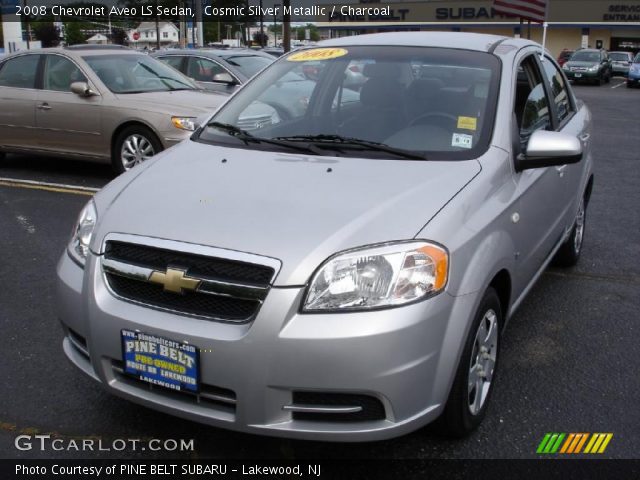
317	54
467	123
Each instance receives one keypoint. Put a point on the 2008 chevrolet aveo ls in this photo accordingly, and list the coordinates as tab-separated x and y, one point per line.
345	273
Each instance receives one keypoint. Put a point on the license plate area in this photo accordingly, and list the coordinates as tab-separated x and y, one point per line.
161	361
578	75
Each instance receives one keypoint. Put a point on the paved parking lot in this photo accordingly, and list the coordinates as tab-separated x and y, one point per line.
570	357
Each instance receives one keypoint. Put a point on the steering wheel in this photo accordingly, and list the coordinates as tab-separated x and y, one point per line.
424	118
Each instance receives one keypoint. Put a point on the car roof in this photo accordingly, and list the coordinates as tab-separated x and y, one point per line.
79	52
480	42
214	52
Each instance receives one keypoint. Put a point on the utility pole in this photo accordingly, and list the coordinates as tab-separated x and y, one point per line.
261	26
157	28
28	27
286	22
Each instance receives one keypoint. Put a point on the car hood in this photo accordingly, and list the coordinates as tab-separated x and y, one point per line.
189	100
296	208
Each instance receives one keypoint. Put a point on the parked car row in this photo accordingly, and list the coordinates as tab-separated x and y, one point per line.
595	65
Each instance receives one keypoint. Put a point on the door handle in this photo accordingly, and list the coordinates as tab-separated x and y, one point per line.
44	106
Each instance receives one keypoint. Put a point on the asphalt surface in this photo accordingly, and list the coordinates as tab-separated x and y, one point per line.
570	356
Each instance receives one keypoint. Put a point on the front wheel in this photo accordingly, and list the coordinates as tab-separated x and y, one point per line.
472	386
569	253
134	145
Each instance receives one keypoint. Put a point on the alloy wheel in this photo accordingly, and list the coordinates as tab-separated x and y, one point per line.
483	361
135	149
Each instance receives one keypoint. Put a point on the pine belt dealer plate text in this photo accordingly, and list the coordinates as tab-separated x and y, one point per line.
161	361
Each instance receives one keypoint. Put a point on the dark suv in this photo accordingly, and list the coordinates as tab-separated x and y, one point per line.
589	65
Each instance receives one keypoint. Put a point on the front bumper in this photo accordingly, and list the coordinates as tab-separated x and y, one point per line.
582	76
404	358
633	78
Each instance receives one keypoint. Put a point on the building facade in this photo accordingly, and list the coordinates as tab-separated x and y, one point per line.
609	24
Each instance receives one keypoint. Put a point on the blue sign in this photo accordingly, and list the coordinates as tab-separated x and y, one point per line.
8	7
160	361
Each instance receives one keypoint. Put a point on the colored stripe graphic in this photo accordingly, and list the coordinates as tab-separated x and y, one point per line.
573	443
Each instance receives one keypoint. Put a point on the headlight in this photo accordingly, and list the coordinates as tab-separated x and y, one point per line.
82	232
185	123
594	68
384	276
565	67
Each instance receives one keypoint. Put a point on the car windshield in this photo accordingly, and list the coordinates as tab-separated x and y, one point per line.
619	56
637	59
400	102
137	74
249	65
585	57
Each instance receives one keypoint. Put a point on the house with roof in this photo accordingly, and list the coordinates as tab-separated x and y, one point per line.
146	35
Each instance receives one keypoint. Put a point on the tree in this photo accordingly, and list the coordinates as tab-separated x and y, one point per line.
119	36
72	33
314	35
261	39
47	33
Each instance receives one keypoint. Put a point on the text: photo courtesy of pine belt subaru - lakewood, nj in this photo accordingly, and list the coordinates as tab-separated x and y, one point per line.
345	273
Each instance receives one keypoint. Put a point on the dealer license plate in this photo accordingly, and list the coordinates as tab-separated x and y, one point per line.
577	75
160	361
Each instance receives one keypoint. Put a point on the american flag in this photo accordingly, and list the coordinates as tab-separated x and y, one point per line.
534	10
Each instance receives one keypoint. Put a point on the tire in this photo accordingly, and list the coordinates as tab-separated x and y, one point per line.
569	253
465	410
132	146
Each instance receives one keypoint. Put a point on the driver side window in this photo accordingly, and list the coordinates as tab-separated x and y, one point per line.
531	107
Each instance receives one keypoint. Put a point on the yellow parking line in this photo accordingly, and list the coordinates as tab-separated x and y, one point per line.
47	186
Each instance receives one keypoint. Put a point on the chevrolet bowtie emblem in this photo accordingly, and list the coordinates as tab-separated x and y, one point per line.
174	280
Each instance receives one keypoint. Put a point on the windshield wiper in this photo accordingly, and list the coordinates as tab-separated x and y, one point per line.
349	142
248	137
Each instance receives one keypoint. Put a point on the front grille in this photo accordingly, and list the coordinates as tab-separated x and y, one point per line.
198	265
372	408
229	290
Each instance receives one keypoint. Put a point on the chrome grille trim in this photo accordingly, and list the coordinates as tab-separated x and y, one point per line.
207	286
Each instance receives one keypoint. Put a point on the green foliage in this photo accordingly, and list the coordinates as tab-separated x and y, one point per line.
47	33
72	33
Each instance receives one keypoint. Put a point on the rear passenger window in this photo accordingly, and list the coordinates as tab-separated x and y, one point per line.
173	61
20	72
558	90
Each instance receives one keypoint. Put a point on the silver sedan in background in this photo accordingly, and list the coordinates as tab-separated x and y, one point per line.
344	274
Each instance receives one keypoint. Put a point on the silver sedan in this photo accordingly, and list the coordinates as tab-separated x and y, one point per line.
344	274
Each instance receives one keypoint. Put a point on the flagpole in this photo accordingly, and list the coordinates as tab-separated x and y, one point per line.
545	24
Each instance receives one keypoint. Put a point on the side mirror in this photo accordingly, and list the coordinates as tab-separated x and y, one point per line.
82	89
224	78
548	149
